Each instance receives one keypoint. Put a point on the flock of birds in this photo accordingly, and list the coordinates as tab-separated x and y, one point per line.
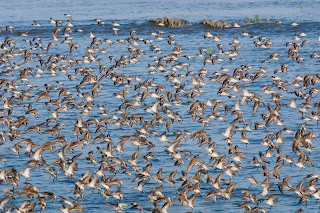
34	110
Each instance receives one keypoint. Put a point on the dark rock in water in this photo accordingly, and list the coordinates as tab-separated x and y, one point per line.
216	23
169	22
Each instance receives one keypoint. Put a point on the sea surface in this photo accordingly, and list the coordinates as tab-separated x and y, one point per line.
132	15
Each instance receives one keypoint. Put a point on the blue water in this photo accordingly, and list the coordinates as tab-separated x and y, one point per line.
133	15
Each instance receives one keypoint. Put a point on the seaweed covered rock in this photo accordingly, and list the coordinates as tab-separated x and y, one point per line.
169	22
215	23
